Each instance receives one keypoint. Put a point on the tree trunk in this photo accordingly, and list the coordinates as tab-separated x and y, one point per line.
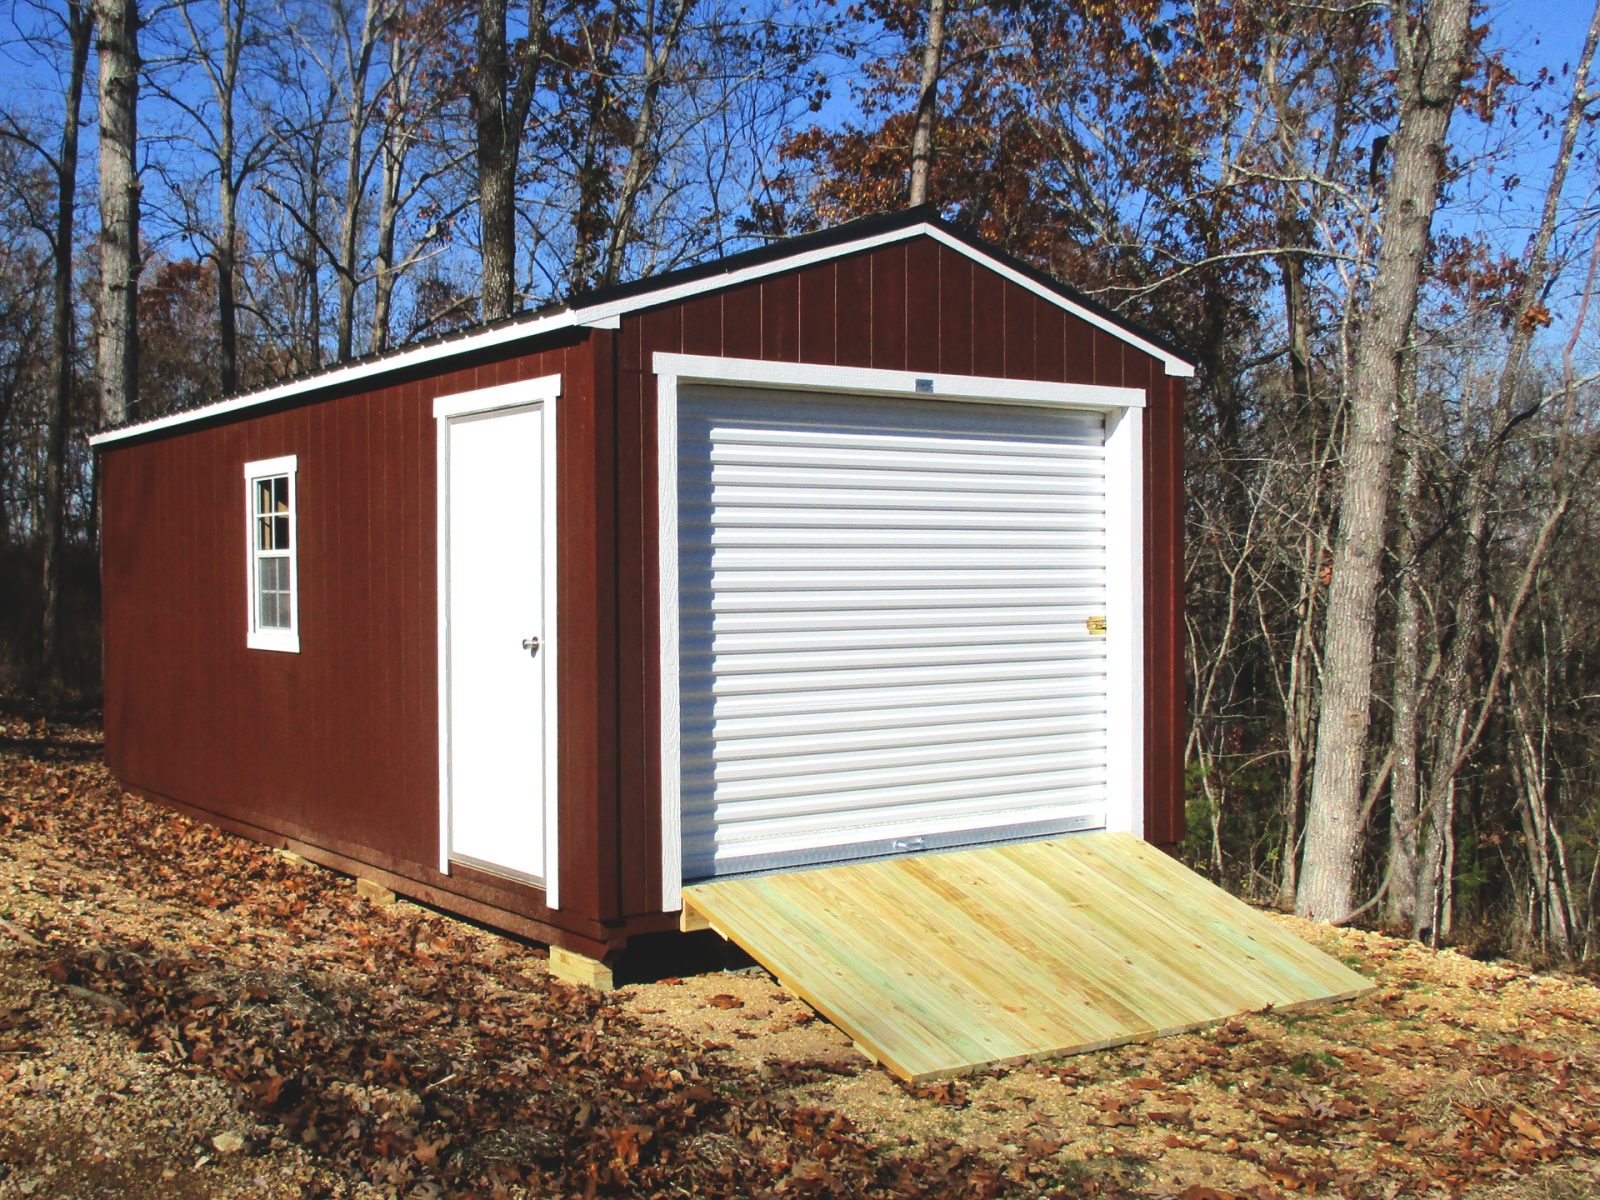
1430	63
1462	666
501	120
1400	903
226	82
927	104
357	114
639	170
396	145
384	267
592	177
52	527
227	298
117	27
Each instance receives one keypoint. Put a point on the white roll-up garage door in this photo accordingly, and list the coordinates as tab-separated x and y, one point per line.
892	616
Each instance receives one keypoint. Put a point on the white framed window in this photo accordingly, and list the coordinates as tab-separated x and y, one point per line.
272	553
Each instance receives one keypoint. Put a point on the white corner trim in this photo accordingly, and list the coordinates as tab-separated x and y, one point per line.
545	390
1125	667
286	641
866	381
552	647
667	574
608	315
441	506
1124	561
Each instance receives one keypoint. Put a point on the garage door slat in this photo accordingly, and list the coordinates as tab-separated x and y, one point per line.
857	572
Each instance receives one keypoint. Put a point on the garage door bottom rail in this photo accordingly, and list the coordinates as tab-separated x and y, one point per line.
942	963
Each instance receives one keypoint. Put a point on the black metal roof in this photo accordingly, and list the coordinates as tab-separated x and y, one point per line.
775	251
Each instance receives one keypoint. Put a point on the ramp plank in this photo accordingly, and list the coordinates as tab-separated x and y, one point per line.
939	964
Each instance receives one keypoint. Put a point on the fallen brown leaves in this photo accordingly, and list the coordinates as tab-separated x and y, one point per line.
409	1055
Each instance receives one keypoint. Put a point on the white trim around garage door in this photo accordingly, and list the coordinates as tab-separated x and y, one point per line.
544	390
1125	556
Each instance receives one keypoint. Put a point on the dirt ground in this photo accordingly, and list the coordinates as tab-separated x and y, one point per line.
184	1013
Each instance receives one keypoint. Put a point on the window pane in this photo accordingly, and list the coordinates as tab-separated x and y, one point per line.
272	508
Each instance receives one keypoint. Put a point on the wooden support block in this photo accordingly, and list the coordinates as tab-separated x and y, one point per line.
580	970
372	890
692	920
293	859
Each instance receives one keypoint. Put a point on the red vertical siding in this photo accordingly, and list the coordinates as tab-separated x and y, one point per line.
336	747
932	310
854	307
923	290
887	348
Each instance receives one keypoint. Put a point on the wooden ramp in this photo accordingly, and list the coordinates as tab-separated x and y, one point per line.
937	964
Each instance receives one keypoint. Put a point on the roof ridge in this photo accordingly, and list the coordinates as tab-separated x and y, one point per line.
546	318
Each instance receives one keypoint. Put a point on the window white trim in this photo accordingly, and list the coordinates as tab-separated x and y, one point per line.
607	315
1124	563
544	390
256	638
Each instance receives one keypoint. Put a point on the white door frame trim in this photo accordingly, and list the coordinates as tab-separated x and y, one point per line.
546	391
1124	556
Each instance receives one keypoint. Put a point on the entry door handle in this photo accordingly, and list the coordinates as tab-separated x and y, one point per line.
531	645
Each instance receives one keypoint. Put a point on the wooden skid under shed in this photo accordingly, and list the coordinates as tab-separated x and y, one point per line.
938	964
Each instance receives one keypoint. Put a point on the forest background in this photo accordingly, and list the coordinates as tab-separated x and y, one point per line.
1373	222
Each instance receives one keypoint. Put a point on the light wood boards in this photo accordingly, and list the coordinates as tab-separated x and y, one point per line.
580	970
938	964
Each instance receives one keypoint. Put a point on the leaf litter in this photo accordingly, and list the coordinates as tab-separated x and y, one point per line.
186	1013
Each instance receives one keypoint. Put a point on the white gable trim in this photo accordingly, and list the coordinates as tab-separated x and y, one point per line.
1174	365
608	314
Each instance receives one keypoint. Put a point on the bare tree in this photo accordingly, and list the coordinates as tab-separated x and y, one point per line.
117	33
1452	747
1430	64
220	55
358	49
408	105
658	56
927	104
63	165
503	81
1400	904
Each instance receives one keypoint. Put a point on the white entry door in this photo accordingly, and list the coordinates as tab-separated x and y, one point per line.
497	652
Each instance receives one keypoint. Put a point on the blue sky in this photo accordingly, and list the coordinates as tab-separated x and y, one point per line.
1542	33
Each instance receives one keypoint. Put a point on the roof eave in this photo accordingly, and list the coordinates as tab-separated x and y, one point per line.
605	310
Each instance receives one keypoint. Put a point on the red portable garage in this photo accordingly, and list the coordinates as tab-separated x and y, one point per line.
865	543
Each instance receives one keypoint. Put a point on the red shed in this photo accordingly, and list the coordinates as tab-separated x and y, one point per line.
862	544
